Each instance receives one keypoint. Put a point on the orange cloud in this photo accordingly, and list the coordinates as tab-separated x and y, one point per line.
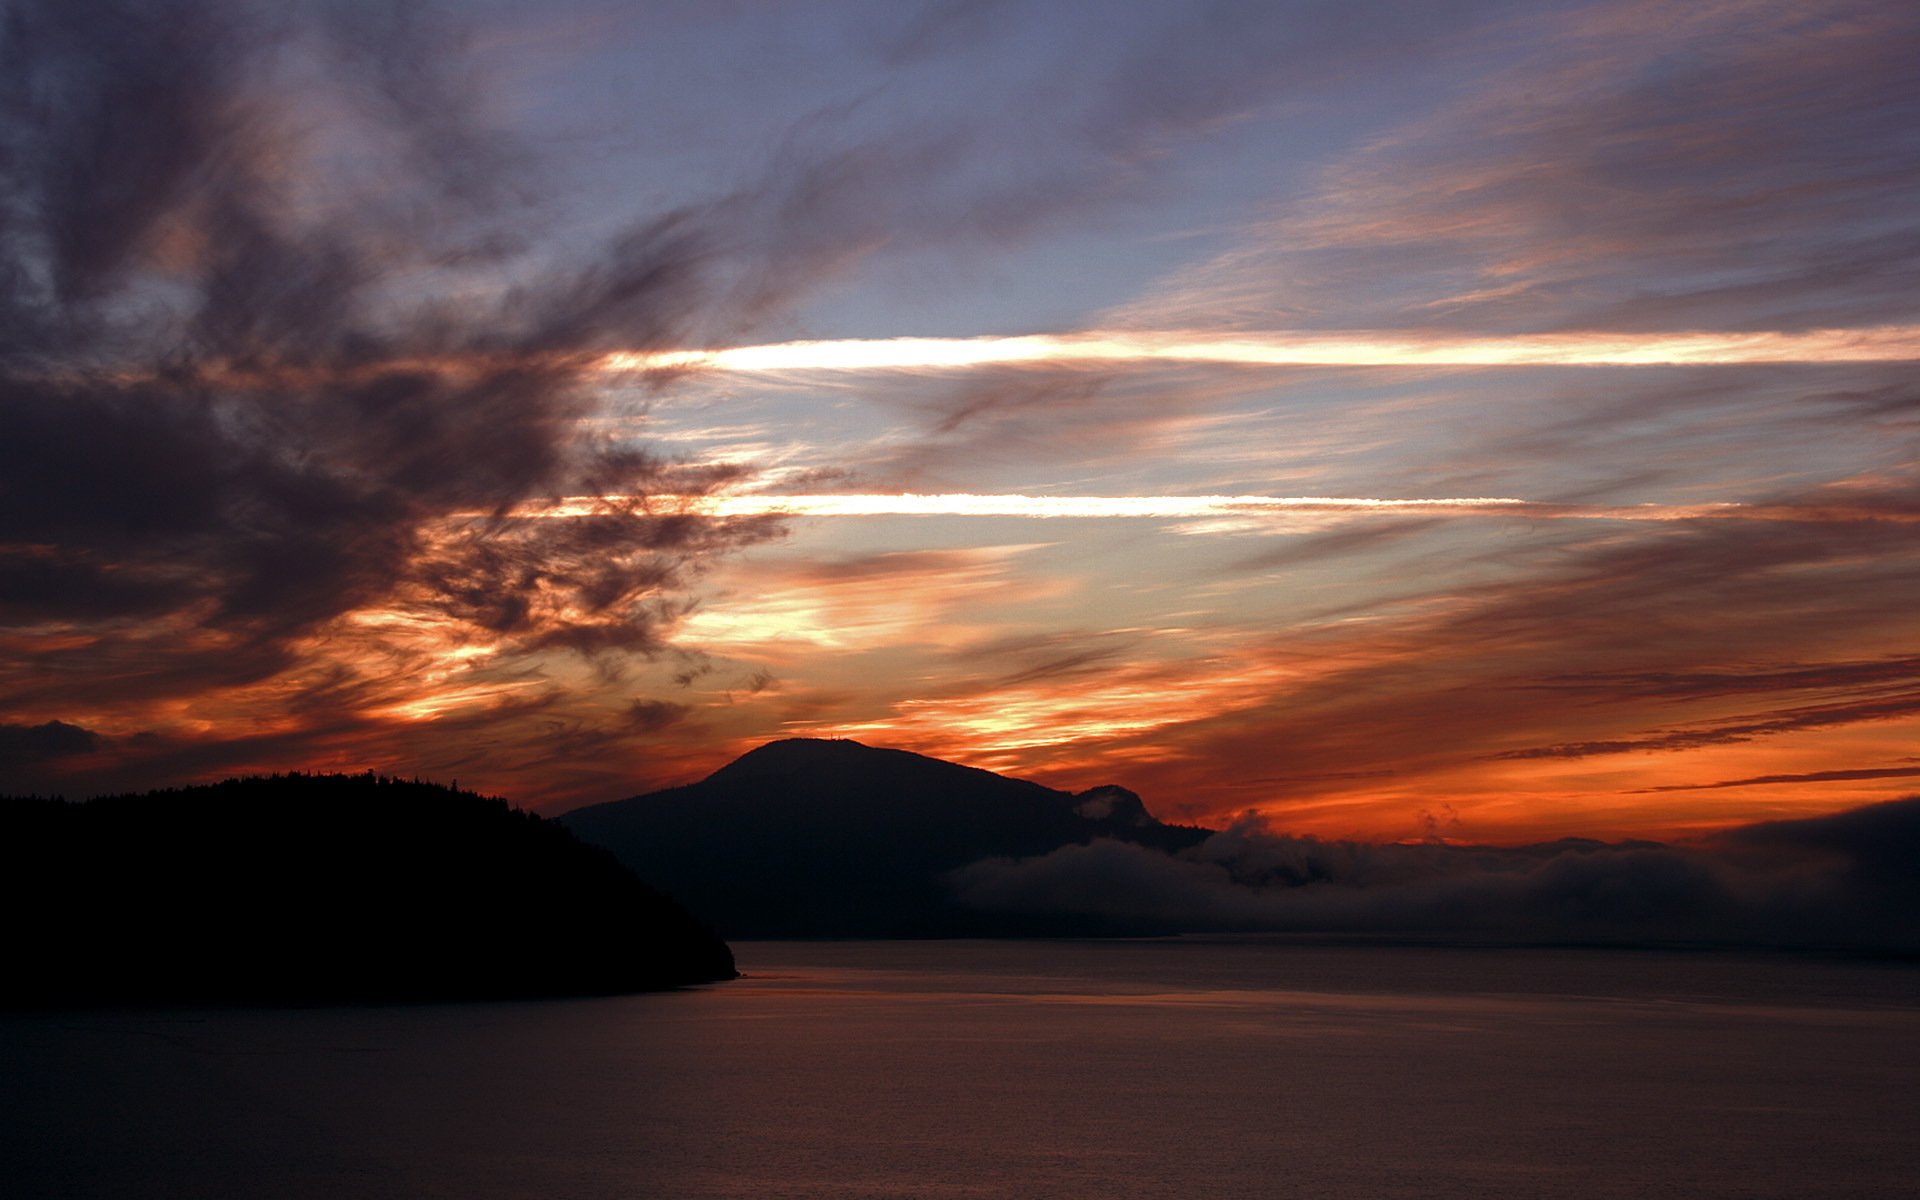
1540	702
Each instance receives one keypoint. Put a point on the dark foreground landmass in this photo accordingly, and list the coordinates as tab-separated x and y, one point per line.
313	889
829	838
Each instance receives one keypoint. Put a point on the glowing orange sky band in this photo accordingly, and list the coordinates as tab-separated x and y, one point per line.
1896	343
1165	507
1202	507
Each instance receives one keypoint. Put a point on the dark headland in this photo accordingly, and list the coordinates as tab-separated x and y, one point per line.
816	838
312	889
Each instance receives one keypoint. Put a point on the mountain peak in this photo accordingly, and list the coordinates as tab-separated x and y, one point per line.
1114	805
839	763
791	754
816	837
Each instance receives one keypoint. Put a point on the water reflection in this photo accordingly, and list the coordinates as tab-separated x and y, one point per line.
992	1069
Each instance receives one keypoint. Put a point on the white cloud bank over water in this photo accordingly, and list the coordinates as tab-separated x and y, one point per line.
1847	881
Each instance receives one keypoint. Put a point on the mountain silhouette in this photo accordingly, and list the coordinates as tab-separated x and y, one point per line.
815	838
304	889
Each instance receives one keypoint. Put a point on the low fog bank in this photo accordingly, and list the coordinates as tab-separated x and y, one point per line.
1850	881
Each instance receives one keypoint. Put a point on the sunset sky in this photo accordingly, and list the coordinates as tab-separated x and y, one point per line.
1483	421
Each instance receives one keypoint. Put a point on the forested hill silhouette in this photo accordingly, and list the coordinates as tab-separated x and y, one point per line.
814	838
324	889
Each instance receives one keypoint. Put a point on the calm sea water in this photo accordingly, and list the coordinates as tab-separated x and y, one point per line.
1188	1068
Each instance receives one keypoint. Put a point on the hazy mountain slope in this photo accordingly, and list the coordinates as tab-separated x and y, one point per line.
811	838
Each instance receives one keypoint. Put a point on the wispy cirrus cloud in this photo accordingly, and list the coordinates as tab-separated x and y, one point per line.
1842	774
1623	169
1460	674
1616	166
1348	719
1742	729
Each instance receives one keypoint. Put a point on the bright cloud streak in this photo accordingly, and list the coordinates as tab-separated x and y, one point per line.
1202	507
1894	343
1163	507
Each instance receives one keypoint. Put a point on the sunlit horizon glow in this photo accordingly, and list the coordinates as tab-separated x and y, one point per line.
1897	343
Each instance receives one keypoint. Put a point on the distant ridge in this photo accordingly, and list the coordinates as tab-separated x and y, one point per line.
309	889
829	838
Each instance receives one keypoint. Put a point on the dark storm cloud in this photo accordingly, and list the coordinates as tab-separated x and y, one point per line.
28	744
1845	881
227	413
